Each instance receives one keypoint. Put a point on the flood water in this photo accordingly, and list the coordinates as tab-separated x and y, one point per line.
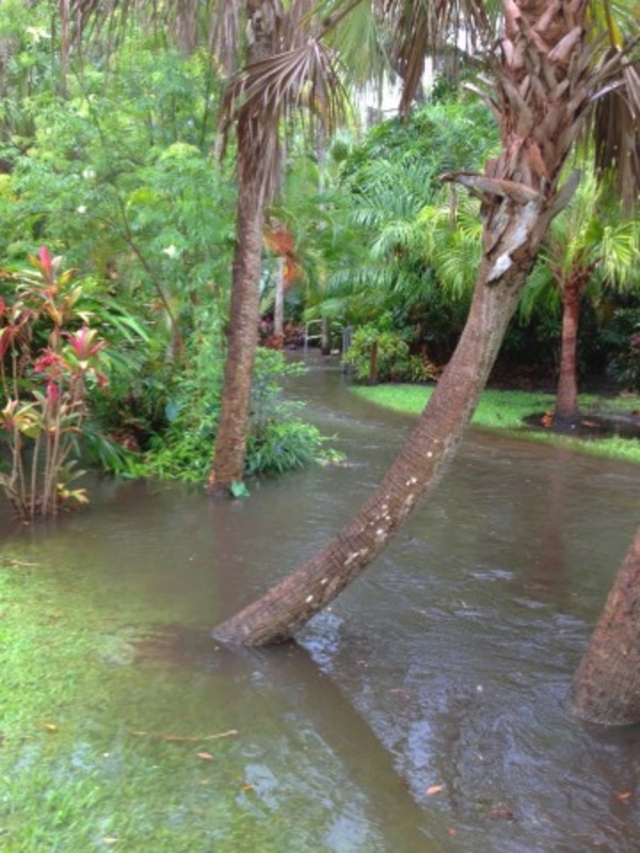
422	712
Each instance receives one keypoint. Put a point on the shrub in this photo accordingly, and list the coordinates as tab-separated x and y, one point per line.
278	439
393	363
49	359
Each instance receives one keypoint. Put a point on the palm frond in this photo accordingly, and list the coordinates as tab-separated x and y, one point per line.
271	92
420	28
620	248
615	128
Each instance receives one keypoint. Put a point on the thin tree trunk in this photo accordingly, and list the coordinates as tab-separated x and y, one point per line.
255	135
566	412
606	686
325	337
242	340
373	364
278	307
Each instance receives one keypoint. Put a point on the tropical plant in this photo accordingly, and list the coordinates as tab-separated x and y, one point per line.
287	67
49	358
134	201
391	193
383	356
591	247
278	439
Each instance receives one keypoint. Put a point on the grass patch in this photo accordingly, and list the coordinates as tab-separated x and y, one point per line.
505	411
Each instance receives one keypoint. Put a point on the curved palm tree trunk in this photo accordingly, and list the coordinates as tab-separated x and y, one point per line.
606	686
541	89
417	469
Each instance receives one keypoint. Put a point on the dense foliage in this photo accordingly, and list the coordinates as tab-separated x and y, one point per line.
111	163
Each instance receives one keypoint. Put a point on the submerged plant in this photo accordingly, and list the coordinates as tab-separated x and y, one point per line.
49	359
278	439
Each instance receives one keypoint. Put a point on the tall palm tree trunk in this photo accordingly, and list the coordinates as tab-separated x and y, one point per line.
242	339
254	137
606	686
541	89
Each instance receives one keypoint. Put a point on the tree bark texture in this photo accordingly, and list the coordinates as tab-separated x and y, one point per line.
565	412
573	285
606	686
255	135
242	339
538	95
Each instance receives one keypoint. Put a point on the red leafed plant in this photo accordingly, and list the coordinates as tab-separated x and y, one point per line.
44	388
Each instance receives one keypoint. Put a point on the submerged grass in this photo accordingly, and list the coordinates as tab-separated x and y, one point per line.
506	410
102	751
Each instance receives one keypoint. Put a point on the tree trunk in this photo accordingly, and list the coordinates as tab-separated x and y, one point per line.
520	197
255	136
417	469
566	412
373	364
606	686
278	306
242	340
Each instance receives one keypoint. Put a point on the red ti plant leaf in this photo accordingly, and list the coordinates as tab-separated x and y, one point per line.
46	262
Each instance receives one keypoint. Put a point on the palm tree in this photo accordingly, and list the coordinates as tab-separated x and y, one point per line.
592	246
544	77
286	66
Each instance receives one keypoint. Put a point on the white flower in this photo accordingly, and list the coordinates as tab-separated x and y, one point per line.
81	209
171	251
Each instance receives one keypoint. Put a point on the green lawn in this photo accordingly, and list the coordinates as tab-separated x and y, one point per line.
505	411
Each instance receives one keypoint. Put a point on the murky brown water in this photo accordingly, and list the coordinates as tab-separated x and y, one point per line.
443	669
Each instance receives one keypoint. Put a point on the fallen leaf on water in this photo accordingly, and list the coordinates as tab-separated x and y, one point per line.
50	727
434	789
109	840
247	788
501	812
624	797
205	756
